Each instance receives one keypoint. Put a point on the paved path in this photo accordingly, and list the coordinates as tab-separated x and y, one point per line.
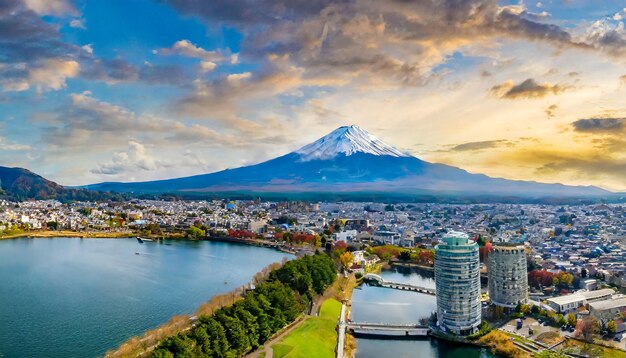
267	347
341	331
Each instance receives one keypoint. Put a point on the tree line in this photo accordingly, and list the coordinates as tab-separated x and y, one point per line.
243	327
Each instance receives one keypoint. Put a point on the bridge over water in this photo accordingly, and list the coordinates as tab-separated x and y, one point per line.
379	281
392	331
375	330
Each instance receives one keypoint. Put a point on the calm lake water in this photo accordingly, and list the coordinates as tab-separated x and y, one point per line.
80	297
384	305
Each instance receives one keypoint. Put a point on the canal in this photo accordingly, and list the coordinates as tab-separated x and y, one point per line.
383	305
66	297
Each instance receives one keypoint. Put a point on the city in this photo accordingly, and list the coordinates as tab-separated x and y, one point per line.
544	263
312	179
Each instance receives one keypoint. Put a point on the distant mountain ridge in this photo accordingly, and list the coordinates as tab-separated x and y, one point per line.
21	184
351	160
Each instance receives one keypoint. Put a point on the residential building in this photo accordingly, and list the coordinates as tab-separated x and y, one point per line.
457	280
508	277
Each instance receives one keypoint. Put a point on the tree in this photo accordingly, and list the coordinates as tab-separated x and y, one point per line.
611	327
571	319
196	233
405	256
587	328
535	309
346	259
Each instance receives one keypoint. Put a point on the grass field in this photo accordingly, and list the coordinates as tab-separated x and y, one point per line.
315	337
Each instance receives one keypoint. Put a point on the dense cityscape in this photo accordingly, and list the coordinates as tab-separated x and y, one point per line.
313	179
558	268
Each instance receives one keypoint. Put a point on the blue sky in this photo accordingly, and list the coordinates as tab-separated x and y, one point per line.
137	90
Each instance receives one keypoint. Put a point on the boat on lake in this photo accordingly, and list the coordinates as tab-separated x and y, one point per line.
141	240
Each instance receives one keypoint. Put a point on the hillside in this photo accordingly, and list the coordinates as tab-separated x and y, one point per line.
21	184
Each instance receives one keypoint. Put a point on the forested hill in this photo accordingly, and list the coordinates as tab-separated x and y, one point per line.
22	184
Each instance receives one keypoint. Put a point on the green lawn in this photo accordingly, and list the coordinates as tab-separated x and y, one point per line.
315	337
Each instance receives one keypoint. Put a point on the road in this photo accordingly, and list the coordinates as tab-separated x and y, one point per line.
341	331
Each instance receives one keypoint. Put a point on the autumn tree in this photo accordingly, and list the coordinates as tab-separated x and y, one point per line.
587	328
571	319
346	259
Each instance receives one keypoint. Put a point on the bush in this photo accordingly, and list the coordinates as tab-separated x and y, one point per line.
358	275
483	330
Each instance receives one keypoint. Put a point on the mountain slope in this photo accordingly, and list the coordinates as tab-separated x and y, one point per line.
346	160
20	184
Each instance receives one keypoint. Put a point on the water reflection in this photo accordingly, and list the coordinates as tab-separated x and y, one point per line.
383	305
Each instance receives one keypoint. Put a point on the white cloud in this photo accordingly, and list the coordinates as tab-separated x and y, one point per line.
78	24
235	78
48	75
207	66
188	49
135	158
88	48
51	7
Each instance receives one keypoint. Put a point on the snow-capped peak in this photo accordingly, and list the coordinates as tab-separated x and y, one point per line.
347	140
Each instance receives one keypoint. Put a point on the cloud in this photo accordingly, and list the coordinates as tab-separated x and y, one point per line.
188	49
117	70
86	122
137	158
475	146
78	24
51	7
370	42
134	158
207	66
47	75
527	89
600	125
13	147
26	37
551	111
607	35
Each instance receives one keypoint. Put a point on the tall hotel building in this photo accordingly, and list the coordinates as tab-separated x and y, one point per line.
457	279
508	276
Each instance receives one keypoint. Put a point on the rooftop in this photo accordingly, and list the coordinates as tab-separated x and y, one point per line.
609	304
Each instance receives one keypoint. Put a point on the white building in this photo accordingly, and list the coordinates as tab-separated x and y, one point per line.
457	280
568	303
508	276
608	309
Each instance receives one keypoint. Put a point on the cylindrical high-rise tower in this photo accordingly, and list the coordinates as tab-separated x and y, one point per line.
457	279
508	276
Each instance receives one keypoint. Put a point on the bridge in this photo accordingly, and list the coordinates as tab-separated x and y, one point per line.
383	330
379	281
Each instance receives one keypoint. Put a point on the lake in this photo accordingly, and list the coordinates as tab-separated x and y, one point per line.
383	305
67	297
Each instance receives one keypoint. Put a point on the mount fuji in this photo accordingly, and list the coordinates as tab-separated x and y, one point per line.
350	161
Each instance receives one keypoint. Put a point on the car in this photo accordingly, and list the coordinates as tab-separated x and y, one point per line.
563	328
539	321
571	329
618	338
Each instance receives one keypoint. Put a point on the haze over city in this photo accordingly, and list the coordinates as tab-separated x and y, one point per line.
98	91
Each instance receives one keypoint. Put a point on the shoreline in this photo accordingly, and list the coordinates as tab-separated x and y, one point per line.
48	234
